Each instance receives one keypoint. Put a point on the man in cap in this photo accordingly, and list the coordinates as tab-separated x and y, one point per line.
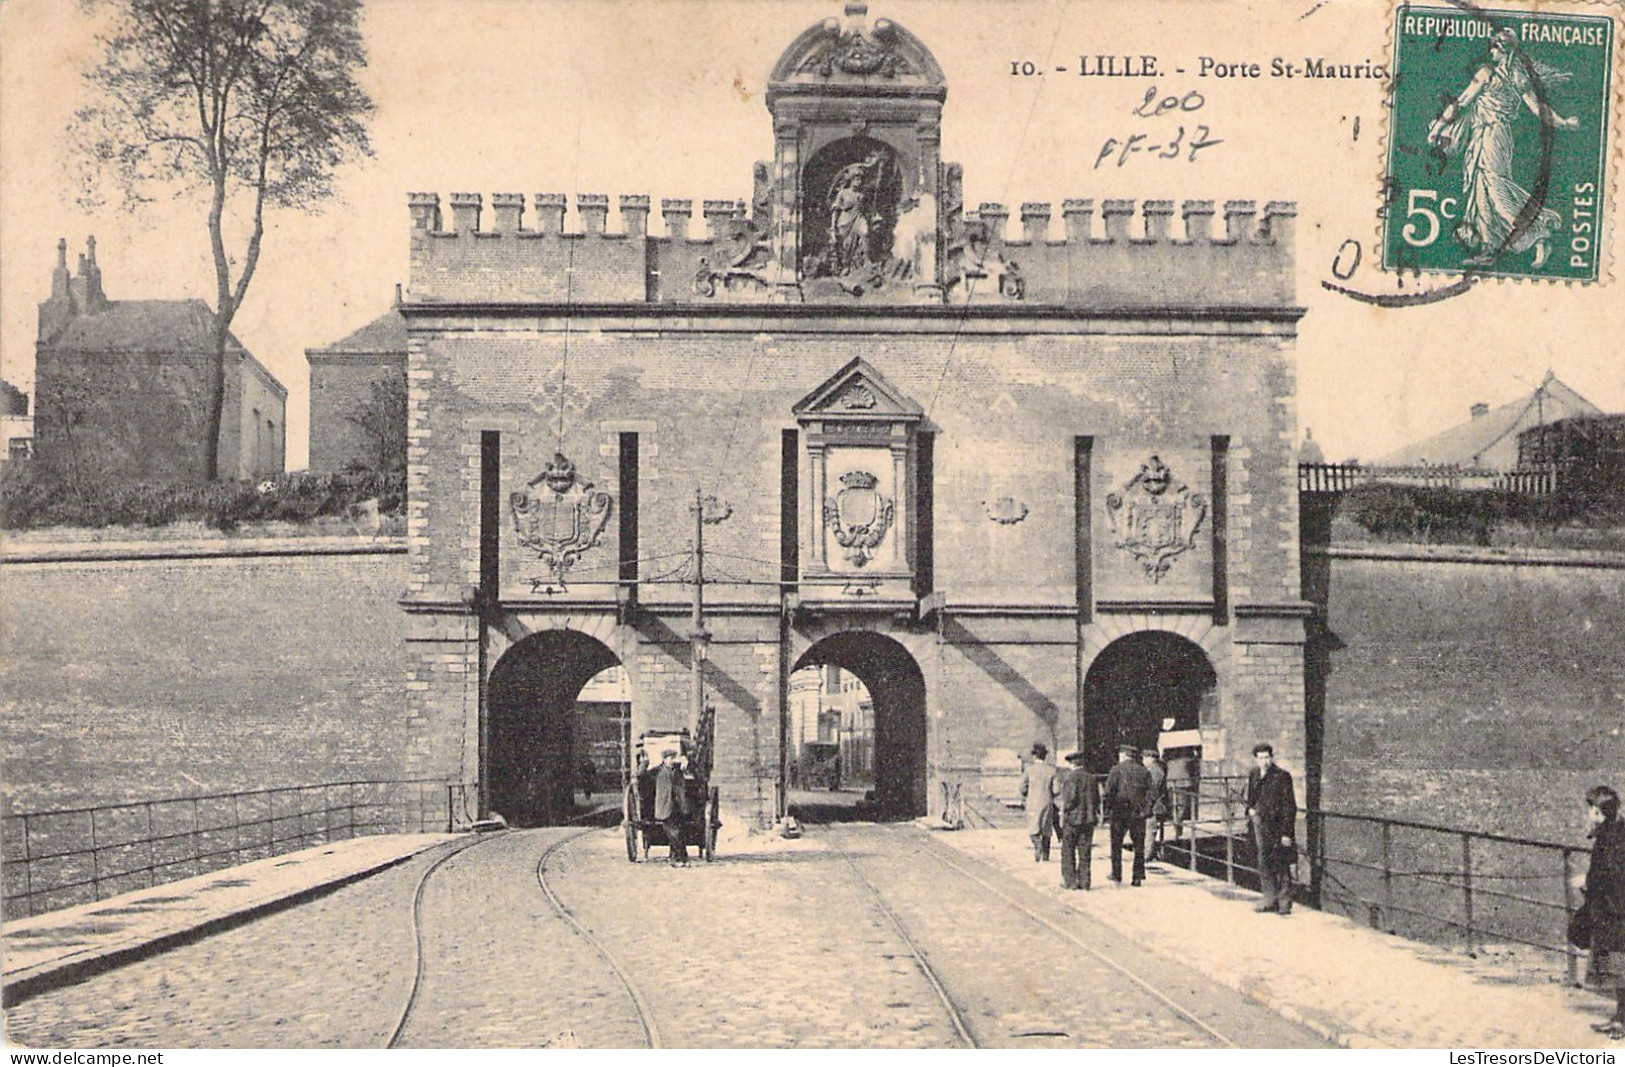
1128	805
1079	813
671	804
1272	808
1038	798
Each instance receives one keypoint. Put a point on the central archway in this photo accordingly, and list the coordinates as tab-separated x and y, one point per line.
1140	685
897	689
536	749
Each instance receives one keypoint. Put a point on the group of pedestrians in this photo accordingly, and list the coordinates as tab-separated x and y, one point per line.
1136	801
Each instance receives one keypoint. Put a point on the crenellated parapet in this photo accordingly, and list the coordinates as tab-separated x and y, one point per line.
1120	253
1108	253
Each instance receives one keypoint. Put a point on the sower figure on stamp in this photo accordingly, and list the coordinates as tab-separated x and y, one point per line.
1038	788
1079	813
1272	808
1478	124
671	804
1128	804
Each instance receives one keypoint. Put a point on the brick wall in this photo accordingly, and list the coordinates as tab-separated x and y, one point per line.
1479	695
140	416
129	680
338	386
135	416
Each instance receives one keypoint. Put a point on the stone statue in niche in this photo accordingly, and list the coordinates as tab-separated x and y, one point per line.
560	516
1155	518
852	204
853	195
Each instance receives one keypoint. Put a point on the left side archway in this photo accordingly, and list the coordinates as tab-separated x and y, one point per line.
534	758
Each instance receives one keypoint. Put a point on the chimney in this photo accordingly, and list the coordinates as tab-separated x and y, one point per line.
398	300
95	299
59	276
55	312
1479	410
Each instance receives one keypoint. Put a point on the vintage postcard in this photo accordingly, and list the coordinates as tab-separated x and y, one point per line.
812	524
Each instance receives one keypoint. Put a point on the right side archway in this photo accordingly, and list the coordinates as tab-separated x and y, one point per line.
1136	685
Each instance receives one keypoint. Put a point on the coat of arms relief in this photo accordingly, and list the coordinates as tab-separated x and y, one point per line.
1155	518
559	515
859	516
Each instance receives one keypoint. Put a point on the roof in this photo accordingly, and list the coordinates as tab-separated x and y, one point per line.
1463	443
386	333
143	326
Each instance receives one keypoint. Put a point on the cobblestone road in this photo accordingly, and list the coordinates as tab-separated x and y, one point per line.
331	973
780	946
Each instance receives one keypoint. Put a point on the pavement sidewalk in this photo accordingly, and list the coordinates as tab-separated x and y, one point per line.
1357	987
58	947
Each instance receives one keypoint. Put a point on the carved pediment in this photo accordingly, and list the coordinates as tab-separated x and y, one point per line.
858	391
858	51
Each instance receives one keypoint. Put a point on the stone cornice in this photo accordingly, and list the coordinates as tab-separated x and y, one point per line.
857	319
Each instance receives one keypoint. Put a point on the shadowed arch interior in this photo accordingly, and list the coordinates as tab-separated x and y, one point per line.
532	698
1135	685
897	688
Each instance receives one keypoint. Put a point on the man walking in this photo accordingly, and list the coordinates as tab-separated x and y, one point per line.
671	804
1272	807
1128	804
1038	797
1151	760
1079	814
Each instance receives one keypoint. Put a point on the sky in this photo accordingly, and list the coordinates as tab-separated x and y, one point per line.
664	97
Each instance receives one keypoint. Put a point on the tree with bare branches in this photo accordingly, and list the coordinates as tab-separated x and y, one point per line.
248	104
381	418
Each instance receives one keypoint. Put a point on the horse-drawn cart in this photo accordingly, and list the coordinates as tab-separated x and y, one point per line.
701	818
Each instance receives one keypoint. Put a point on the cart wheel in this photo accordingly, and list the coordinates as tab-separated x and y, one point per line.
712	821
629	821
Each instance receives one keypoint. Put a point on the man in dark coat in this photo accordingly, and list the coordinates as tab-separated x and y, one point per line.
1605	903
1272	808
671	804
1079	814
1151	760
1128	804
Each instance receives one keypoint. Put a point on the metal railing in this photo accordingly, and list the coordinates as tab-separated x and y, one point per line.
1342	477
1432	883
59	858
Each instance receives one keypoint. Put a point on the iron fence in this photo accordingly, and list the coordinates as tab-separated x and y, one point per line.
59	858
1440	884
1342	477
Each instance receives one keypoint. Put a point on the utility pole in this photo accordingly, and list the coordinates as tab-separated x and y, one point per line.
697	634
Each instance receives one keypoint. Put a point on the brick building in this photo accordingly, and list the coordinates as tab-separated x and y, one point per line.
356	390
16	424
1034	487
121	387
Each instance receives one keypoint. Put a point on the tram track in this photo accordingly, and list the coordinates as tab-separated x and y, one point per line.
419	957
645	1016
956	1015
1103	957
956	1012
646	1019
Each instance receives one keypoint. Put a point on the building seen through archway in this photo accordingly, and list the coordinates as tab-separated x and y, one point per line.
558	701
1146	689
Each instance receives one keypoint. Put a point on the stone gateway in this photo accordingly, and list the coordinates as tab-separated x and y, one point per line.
1026	489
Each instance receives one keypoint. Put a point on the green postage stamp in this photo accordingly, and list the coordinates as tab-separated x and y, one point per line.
1498	141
